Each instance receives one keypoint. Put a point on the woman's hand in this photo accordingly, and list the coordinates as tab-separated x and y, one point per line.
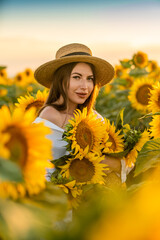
114	164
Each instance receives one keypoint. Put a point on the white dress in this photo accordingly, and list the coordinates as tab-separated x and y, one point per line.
58	150
58	145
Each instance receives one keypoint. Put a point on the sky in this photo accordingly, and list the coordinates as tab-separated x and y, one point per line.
32	31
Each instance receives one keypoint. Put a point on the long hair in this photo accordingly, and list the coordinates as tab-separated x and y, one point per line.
60	85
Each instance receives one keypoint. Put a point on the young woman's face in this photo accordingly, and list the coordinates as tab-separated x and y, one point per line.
81	83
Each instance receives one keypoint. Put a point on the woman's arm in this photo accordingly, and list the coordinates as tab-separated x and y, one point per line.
113	163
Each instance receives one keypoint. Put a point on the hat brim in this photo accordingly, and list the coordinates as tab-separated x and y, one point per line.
104	71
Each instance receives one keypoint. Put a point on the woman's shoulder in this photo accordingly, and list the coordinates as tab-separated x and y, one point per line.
51	114
98	115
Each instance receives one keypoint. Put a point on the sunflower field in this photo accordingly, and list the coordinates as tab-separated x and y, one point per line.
84	199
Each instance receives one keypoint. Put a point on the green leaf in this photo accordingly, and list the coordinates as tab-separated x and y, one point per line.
9	171
119	120
148	157
62	160
150	115
127	64
138	72
135	187
51	197
119	154
2	67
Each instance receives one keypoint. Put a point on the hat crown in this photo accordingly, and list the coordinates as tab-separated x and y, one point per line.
71	49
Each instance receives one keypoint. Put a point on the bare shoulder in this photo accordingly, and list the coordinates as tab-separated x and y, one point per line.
51	114
98	115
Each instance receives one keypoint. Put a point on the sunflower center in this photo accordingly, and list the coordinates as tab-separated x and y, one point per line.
153	66
82	170
119	73
1	74
19	78
142	94
27	73
129	82
140	59
17	145
158	101
37	104
111	139
84	136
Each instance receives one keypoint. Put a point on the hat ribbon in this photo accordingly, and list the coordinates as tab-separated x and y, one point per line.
76	53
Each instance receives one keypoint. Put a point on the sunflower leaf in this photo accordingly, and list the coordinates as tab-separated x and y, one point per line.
119	154
148	157
2	67
138	72
120	81
135	187
119	120
150	115
127	64
61	161
9	171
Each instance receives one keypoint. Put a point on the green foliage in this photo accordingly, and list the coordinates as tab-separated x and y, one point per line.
148	157
9	171
14	92
126	64
2	67
137	72
33	217
62	160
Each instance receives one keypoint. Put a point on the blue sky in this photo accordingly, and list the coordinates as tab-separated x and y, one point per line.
32	31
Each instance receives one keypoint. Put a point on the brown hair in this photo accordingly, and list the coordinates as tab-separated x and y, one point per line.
60	85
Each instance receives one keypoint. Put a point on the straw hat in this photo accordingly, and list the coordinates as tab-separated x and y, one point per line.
74	52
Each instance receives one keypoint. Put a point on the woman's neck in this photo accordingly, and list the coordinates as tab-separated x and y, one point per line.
70	106
70	109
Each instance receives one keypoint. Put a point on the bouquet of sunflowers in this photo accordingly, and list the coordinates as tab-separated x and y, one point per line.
91	140
131	89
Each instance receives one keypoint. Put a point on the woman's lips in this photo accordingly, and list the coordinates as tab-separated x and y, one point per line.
82	95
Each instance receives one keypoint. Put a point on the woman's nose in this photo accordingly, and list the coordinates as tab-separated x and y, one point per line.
83	84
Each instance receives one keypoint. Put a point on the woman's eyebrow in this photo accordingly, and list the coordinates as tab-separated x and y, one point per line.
81	74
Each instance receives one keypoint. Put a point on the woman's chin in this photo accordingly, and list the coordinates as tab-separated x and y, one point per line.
81	101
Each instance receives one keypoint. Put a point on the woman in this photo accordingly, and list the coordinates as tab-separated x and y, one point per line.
74	79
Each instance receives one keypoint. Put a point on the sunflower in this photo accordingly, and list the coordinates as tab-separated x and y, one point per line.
155	74
85	171
154	100
26	143
29	88
4	151
113	141
4	77
139	94
3	92
3	73
125	60
29	101
73	192
107	88
132	155
152	66
29	75
155	126
120	72
20	79
140	59
86	132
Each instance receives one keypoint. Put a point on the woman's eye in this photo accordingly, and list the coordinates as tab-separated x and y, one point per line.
76	77
90	78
